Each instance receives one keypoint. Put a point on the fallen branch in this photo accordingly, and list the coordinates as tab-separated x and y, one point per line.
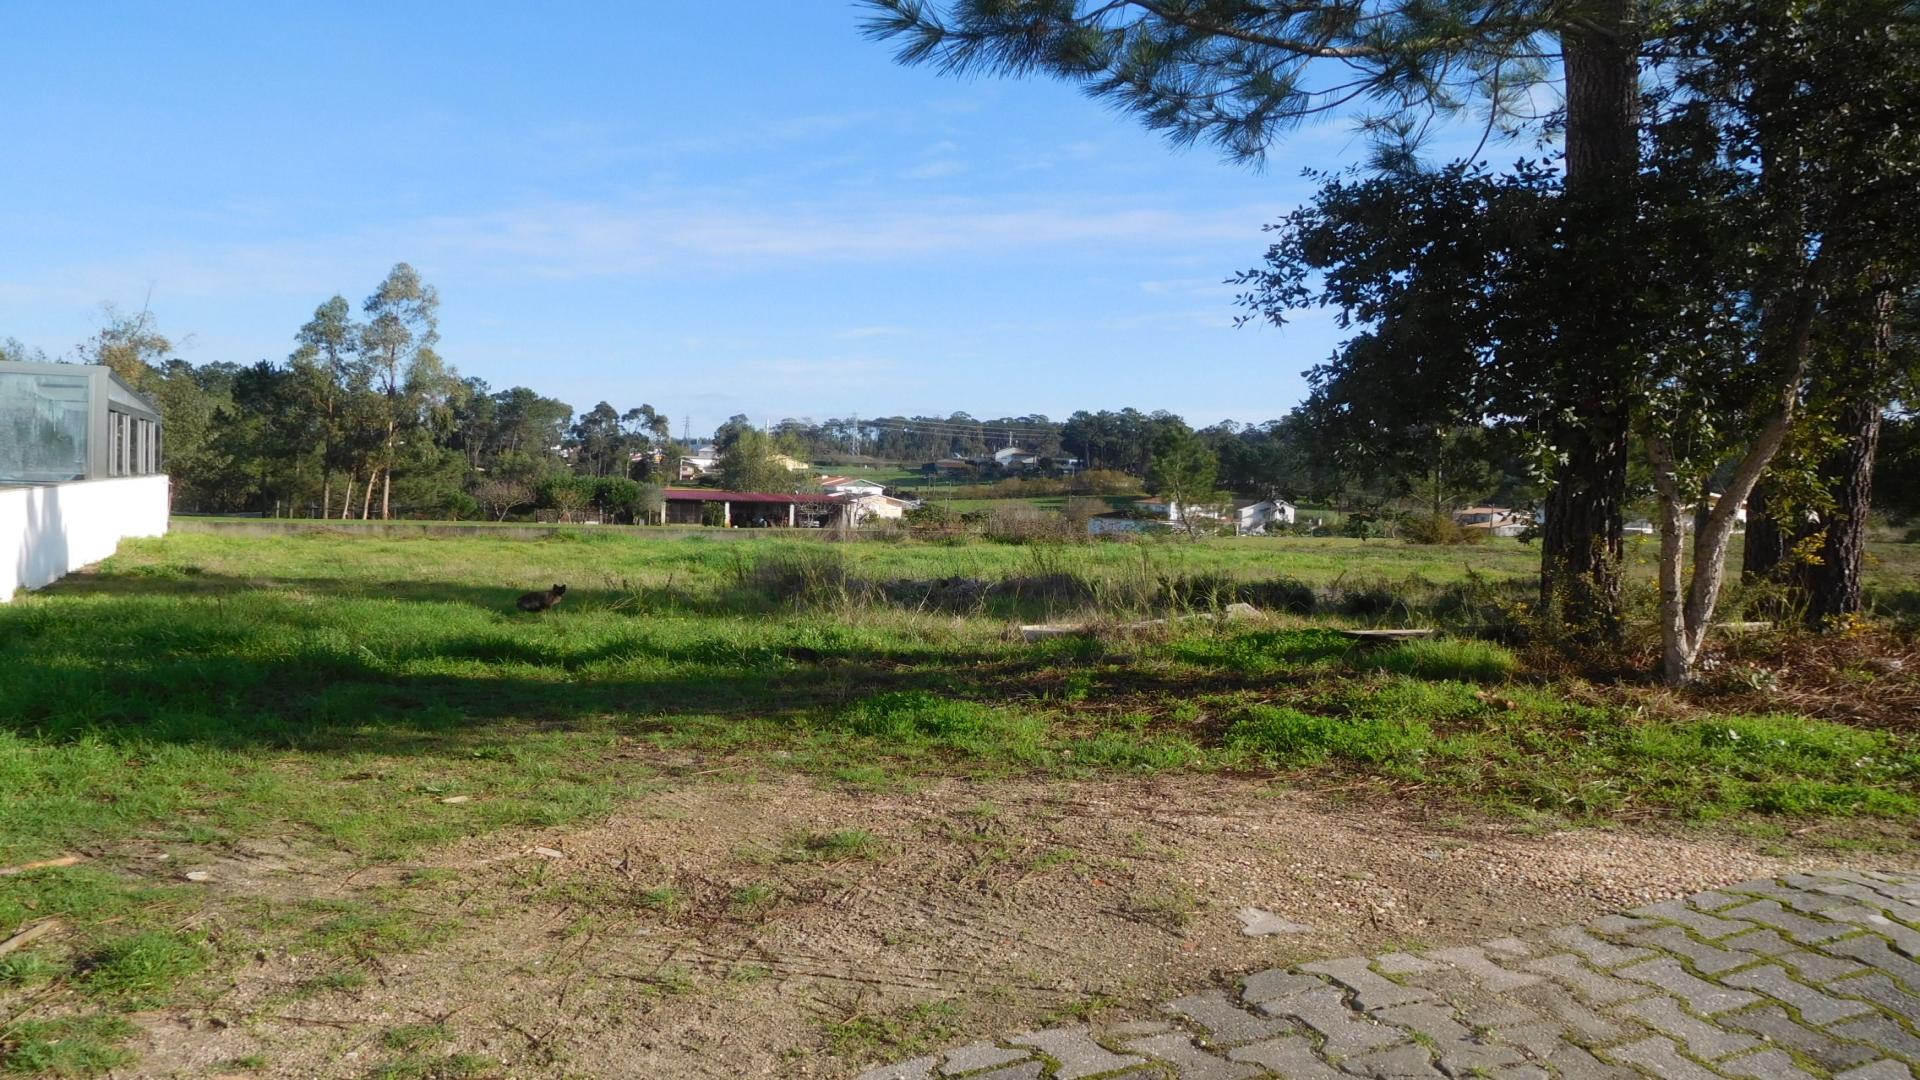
28	936
43	864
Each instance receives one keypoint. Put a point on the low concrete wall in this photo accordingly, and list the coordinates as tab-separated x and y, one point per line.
49	530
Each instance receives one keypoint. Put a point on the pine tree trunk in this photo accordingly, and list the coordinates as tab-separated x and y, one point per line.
346	499
366	504
1583	542
386	495
1833	583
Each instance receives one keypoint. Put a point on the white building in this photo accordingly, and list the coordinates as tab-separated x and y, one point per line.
1012	457
1496	520
851	485
878	508
1249	517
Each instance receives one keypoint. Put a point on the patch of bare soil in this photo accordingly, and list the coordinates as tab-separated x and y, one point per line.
784	928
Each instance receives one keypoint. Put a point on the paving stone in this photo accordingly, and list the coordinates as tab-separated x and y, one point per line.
1881	1032
1030	1071
1766	1065
920	1068
1370	991
1707	959
1710	901
1226	1023
1131	1028
1772	1023
981	1055
1618	925
1189	1060
1813	1006
1881	991
1508	948
1077	1054
1589	984
1292	1057
1879	1070
1409	1062
1798	927
1704	998
1572	1013
1905	938
1276	983
1459	1049
1702	1040
1473	960
1599	953
1872	894
1399	963
1707	926
1325	1011
1807	964
1660	1057
1821	969
1875	952
1800	899
1576	1063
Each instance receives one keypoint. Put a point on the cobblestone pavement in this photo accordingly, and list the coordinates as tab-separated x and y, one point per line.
1811	975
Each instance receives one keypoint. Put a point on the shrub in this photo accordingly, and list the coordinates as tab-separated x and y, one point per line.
1437	529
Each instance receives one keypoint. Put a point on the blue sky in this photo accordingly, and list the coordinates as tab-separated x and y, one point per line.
753	212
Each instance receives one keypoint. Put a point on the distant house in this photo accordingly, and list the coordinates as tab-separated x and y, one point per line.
851	485
1253	517
1249	517
1496	520
1012	457
874	507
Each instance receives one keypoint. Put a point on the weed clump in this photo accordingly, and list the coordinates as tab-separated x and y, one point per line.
1443	658
1279	736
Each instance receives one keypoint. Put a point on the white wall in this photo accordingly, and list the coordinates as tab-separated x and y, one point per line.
50	530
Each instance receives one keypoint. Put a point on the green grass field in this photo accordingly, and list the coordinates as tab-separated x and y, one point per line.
334	691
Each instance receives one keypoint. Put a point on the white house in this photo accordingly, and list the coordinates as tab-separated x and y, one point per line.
1253	517
1496	520
851	485
877	508
1012	457
1250	517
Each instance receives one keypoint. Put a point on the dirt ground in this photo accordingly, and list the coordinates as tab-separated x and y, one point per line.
795	929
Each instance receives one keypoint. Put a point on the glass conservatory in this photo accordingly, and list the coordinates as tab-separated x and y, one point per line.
62	422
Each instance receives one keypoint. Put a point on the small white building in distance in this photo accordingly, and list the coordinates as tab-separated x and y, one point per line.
1496	520
851	485
1012	457
1250	517
877	508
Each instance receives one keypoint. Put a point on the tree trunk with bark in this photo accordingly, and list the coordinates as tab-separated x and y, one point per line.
1582	544
1832	584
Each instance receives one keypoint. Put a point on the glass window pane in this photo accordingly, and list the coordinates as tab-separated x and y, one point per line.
43	427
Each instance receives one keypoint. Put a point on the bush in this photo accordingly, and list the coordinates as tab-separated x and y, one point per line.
1437	529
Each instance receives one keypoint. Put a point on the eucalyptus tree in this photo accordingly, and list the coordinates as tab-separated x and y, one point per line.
1241	74
398	338
328	367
